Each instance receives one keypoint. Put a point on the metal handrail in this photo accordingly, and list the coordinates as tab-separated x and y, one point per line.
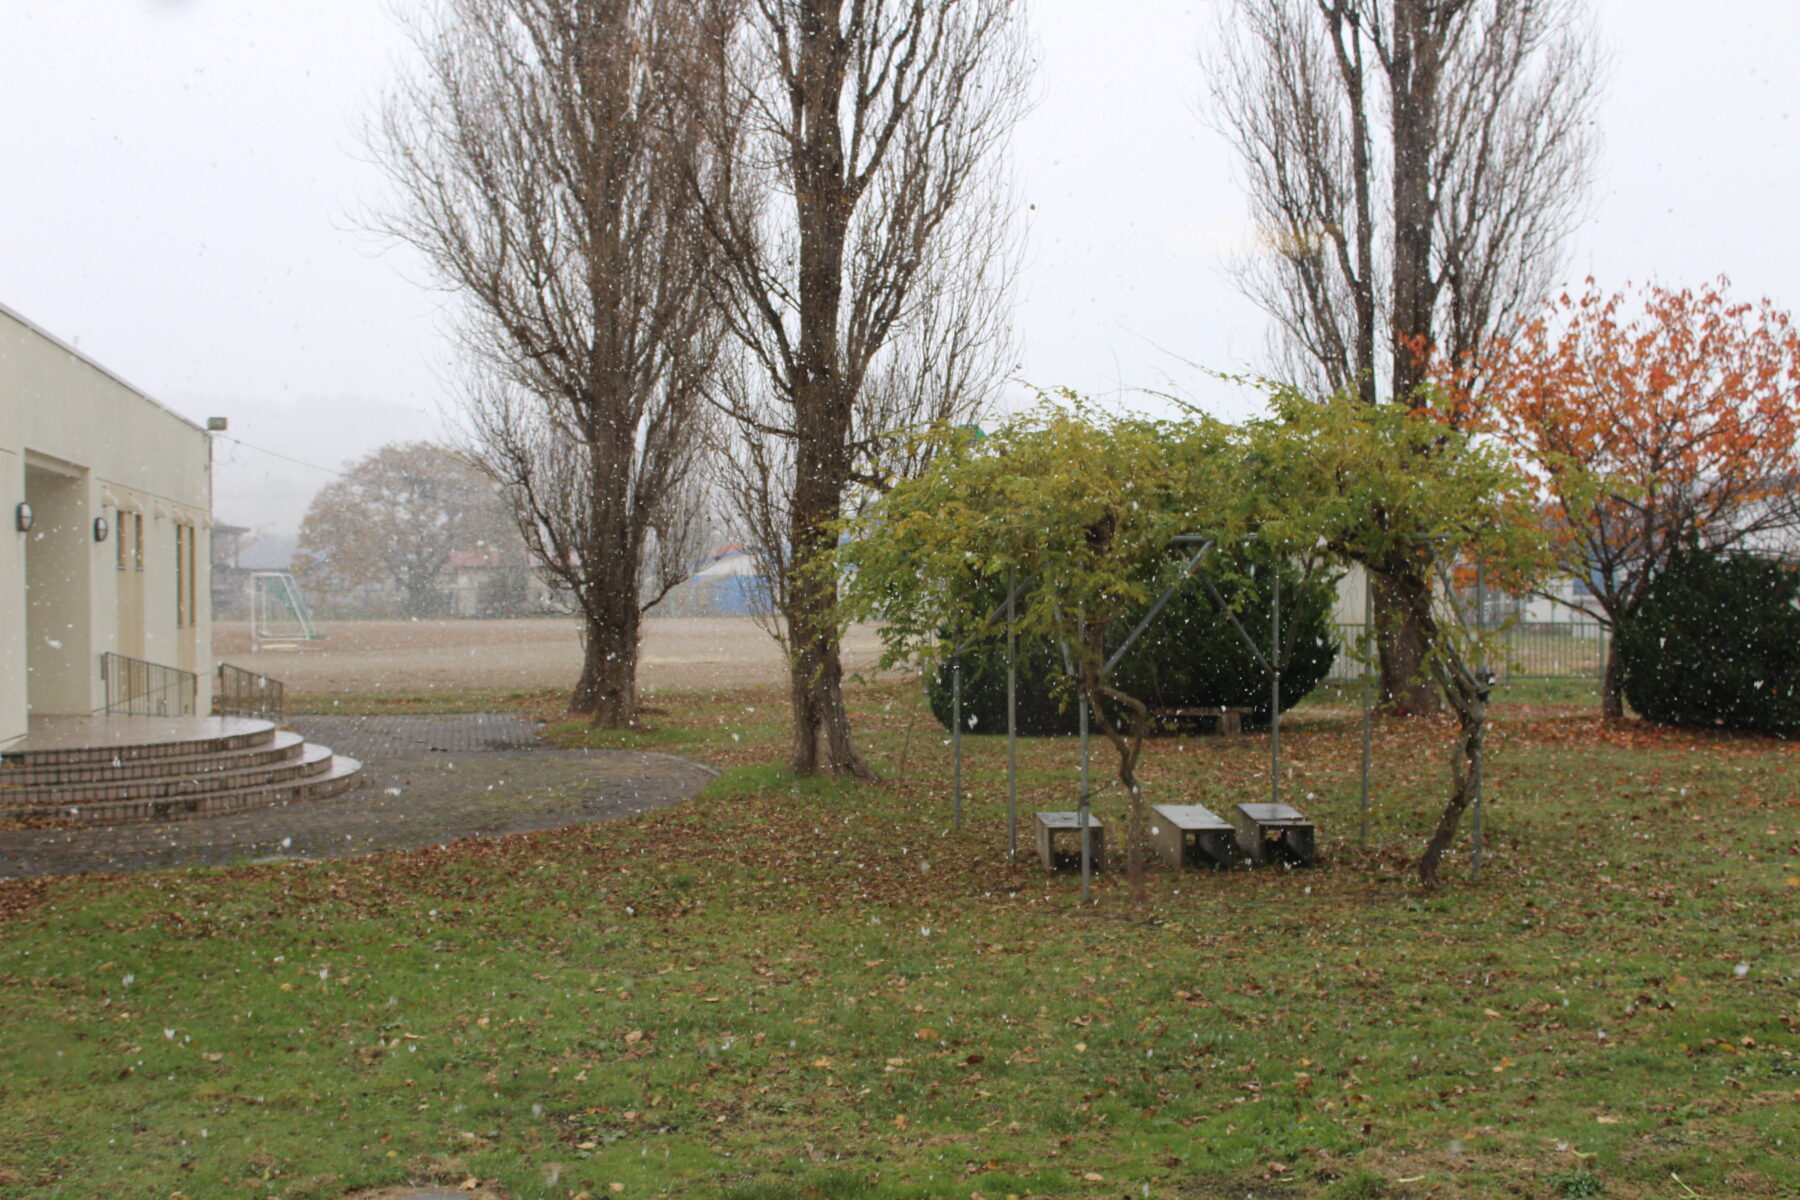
242	693
146	689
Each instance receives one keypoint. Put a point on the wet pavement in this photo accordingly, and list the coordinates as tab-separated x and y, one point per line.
426	780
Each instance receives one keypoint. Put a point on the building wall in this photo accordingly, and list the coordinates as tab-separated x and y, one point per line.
79	443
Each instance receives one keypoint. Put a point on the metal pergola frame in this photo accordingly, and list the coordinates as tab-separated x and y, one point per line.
1269	663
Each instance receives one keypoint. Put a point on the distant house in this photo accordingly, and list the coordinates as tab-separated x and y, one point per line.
237	552
489	581
731	583
106	498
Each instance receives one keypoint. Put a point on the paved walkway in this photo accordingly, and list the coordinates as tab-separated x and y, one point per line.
427	780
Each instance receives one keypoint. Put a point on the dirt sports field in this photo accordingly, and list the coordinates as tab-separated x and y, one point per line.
414	656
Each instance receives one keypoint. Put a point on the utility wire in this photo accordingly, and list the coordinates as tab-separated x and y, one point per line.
333	471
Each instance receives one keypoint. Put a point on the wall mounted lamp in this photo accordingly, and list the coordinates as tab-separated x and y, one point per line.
101	529
23	517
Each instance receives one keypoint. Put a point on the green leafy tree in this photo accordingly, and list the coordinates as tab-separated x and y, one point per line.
1081	505
1086	509
1394	489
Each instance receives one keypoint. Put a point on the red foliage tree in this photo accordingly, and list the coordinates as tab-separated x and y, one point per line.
1652	419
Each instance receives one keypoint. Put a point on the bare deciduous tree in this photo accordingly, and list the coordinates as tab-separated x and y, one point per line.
1414	166
542	172
854	198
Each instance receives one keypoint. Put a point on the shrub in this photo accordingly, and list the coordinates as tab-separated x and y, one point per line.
1190	657
1716	641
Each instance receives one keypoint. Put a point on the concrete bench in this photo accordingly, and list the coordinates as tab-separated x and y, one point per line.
1226	721
1049	824
1265	830
1189	835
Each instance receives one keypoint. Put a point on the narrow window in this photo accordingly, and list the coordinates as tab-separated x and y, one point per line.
192	573
181	612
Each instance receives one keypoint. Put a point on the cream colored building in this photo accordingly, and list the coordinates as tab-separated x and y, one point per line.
117	493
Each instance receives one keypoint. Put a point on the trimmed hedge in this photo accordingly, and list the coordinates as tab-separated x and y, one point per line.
1190	657
1716	642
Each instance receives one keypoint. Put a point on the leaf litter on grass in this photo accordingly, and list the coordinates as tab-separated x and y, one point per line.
767	945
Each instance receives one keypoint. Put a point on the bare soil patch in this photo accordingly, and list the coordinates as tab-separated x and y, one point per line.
411	656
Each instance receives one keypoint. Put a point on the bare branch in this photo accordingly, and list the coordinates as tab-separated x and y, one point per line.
541	166
867	258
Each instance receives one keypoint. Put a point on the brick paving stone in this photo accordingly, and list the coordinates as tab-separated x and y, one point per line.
372	738
427	780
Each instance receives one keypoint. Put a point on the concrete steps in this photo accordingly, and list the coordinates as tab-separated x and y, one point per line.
114	770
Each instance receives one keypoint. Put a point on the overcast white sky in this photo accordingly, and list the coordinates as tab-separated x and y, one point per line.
181	179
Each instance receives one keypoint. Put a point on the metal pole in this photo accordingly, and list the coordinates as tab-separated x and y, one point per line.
956	736
1087	858
1481	678
1475	863
1012	726
1275	692
1368	693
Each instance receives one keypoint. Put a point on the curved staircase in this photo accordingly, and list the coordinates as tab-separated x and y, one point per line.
113	769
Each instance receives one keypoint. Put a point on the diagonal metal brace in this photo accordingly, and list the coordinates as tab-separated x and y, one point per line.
1193	563
1212	591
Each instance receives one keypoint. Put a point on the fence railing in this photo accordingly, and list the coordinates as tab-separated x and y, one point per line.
146	689
241	693
1529	650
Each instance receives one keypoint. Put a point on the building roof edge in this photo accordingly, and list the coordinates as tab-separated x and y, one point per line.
111	374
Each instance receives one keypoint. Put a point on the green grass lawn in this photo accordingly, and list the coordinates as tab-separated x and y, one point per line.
817	989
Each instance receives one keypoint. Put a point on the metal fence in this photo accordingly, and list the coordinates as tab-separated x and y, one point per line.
242	693
146	689
1530	650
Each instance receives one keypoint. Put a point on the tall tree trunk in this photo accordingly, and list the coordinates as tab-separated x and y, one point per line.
607	689
1406	685
1413	71
1612	683
816	672
823	401
816	690
611	558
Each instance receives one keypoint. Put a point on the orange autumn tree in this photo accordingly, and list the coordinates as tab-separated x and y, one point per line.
1651	420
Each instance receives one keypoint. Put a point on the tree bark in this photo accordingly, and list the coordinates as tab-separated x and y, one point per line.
821	722
1467	695
1130	747
816	672
1612	683
607	689
1406	684
815	666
